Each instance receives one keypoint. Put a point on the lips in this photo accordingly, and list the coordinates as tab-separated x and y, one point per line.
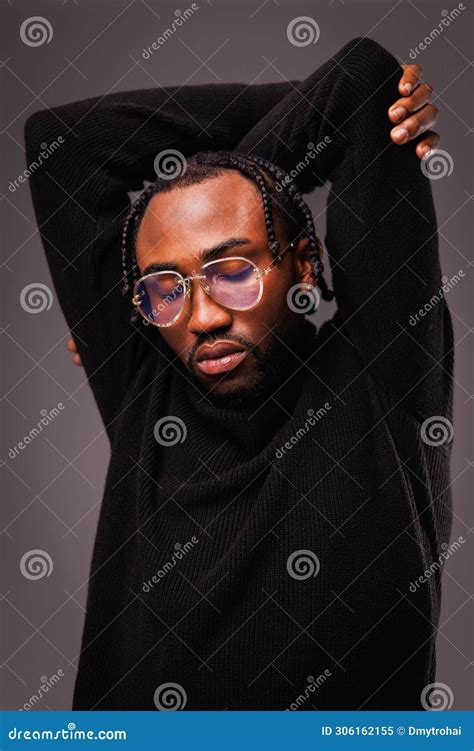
219	357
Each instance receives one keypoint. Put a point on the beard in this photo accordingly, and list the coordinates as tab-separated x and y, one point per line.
274	365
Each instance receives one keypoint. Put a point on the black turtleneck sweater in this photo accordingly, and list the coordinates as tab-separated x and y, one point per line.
266	547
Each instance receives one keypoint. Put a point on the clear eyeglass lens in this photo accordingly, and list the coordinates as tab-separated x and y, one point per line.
233	283
161	297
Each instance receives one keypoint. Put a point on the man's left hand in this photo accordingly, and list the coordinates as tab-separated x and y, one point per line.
413	113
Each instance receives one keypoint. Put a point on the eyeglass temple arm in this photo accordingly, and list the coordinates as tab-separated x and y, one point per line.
277	259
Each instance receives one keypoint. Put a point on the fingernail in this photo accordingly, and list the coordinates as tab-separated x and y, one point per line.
400	134
406	88
399	112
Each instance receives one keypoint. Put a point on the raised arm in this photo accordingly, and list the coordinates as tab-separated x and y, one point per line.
381	225
80	197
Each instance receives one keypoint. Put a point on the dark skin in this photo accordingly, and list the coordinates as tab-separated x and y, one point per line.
180	223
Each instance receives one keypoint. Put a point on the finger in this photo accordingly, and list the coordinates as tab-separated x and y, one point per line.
71	345
77	360
413	126
430	142
410	78
408	105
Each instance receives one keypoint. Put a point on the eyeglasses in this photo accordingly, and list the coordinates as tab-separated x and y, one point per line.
236	283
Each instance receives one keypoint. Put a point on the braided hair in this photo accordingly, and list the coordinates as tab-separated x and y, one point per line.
279	195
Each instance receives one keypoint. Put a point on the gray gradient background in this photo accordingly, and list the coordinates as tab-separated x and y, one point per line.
53	488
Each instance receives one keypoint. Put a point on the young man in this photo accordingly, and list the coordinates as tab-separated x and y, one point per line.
270	496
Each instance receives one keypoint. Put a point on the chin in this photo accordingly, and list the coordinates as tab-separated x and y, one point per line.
232	389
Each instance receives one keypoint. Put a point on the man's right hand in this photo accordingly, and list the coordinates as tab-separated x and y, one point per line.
71	345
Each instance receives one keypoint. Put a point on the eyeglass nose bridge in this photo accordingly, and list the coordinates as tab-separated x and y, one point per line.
187	283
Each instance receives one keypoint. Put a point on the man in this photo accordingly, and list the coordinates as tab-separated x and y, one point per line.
270	497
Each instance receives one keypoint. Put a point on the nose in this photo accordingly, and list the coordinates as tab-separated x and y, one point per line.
205	314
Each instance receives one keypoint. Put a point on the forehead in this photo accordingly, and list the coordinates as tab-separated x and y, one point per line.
200	215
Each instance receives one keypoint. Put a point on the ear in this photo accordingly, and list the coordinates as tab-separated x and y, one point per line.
303	262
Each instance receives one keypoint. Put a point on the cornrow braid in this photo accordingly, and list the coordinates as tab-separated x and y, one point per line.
276	188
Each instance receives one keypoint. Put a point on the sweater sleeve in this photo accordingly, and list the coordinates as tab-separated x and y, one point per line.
107	146
381	226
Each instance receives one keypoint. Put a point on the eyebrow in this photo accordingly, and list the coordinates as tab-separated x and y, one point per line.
203	255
